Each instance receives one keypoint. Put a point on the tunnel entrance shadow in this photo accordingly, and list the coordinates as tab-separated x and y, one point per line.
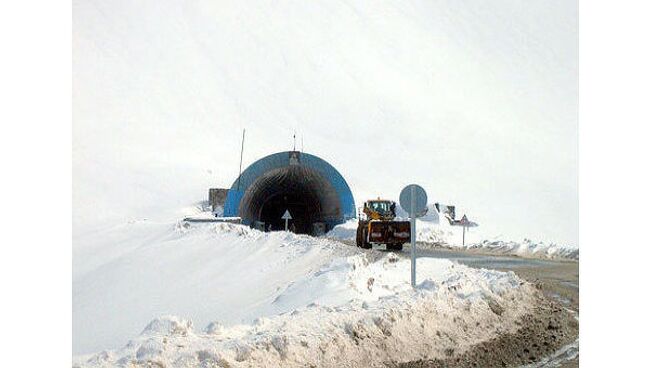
309	197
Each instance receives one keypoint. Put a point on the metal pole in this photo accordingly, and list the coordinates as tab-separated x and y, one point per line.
241	158
286	224
413	232
463	235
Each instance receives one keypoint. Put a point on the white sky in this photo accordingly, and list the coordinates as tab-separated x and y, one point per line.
475	101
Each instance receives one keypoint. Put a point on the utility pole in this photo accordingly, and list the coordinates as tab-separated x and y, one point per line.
241	158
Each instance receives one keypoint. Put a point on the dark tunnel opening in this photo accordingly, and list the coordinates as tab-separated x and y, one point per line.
310	199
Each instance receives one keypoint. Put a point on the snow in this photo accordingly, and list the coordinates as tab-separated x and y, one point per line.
481	238
475	102
204	215
527	248
230	293
143	269
452	96
344	231
434	232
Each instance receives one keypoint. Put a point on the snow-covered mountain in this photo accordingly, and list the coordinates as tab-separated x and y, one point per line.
475	101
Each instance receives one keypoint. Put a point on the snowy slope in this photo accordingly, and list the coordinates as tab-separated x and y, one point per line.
144	270
475	101
245	291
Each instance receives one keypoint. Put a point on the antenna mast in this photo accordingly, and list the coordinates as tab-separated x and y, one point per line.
241	158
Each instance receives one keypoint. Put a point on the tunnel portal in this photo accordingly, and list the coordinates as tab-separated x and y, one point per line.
314	193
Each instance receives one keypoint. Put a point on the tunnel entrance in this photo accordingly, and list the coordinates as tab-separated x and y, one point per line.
311	200
302	219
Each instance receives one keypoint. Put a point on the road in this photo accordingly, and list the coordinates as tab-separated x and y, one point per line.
558	279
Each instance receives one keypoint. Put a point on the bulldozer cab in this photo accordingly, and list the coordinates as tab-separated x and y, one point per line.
379	209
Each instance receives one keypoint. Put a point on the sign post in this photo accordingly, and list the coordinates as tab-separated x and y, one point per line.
464	227
413	199
413	236
465	223
286	217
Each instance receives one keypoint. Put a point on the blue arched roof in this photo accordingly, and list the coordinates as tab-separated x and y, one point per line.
283	159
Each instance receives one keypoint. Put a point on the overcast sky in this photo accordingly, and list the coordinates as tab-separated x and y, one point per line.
476	101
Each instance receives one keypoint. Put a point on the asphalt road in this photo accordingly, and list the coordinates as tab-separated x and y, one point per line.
558	279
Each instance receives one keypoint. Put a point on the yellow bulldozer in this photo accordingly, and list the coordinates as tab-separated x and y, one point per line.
377	225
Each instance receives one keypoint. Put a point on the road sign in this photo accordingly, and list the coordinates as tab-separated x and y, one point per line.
466	224
286	217
413	199
464	221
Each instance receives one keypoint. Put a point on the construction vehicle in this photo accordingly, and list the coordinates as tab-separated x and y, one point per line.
378	226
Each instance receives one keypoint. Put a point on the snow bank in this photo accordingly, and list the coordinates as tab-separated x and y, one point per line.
277	299
478	239
527	248
344	231
124	276
440	233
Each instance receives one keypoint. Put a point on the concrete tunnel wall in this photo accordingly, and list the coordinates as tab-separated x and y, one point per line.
310	188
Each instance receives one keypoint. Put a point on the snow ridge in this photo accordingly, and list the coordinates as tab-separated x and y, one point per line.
352	310
434	232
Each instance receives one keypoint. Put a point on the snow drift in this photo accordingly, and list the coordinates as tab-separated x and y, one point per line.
141	270
433	232
288	300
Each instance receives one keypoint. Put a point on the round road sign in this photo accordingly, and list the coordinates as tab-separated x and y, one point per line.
413	199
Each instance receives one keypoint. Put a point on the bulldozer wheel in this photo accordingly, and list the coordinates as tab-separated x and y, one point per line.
362	235
359	236
364	239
